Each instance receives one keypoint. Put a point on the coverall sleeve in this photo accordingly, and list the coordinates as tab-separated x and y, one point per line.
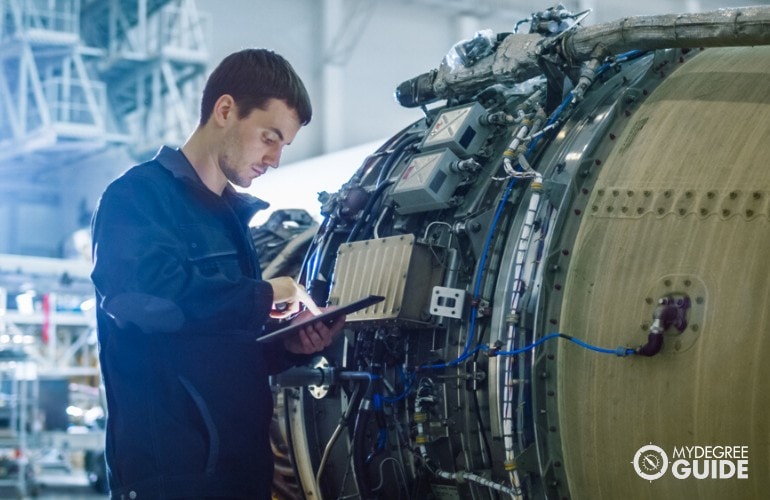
145	275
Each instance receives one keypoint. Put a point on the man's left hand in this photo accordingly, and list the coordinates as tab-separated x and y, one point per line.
314	337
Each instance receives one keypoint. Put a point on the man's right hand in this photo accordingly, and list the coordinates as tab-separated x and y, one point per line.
287	297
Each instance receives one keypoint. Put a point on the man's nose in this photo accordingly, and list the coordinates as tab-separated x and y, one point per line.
273	158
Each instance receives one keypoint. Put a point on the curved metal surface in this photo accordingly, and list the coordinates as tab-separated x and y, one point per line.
681	205
634	211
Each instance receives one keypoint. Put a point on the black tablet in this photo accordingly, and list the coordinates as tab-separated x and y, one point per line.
327	317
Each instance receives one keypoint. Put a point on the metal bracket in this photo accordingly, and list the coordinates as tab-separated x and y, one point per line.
447	302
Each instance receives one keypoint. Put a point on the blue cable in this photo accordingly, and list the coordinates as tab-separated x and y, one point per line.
487	243
625	56
620	351
408	381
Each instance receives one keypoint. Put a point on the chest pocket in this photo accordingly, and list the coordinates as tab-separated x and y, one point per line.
211	251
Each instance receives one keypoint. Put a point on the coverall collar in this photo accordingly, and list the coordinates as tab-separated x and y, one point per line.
244	204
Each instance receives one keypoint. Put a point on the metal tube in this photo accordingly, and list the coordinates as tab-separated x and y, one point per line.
720	28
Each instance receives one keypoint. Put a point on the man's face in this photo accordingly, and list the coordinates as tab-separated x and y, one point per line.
253	144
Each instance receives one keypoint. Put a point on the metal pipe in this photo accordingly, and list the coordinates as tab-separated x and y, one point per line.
516	58
719	28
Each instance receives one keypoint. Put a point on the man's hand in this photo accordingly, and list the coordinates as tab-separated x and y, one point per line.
287	297
314	337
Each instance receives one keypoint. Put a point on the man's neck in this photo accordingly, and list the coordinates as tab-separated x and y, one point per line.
203	159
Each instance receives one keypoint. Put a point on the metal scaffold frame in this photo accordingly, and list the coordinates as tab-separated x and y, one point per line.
49	323
79	74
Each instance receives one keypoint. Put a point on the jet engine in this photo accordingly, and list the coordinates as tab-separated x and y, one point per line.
571	246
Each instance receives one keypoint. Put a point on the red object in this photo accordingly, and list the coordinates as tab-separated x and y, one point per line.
46	318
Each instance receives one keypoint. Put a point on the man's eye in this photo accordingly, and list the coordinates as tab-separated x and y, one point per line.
268	139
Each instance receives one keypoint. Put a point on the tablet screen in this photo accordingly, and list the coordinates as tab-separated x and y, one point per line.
327	317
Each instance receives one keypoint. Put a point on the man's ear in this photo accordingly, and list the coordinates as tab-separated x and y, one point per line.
223	109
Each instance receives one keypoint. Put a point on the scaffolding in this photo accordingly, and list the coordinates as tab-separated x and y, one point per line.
76	75
18	400
48	369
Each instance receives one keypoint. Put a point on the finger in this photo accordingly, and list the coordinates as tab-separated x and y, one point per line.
311	340
321	335
306	299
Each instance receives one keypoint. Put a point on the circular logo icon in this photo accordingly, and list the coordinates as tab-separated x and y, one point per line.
650	462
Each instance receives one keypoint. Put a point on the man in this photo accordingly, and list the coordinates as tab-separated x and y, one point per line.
181	299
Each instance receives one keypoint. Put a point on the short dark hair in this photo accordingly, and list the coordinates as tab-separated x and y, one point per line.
253	77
